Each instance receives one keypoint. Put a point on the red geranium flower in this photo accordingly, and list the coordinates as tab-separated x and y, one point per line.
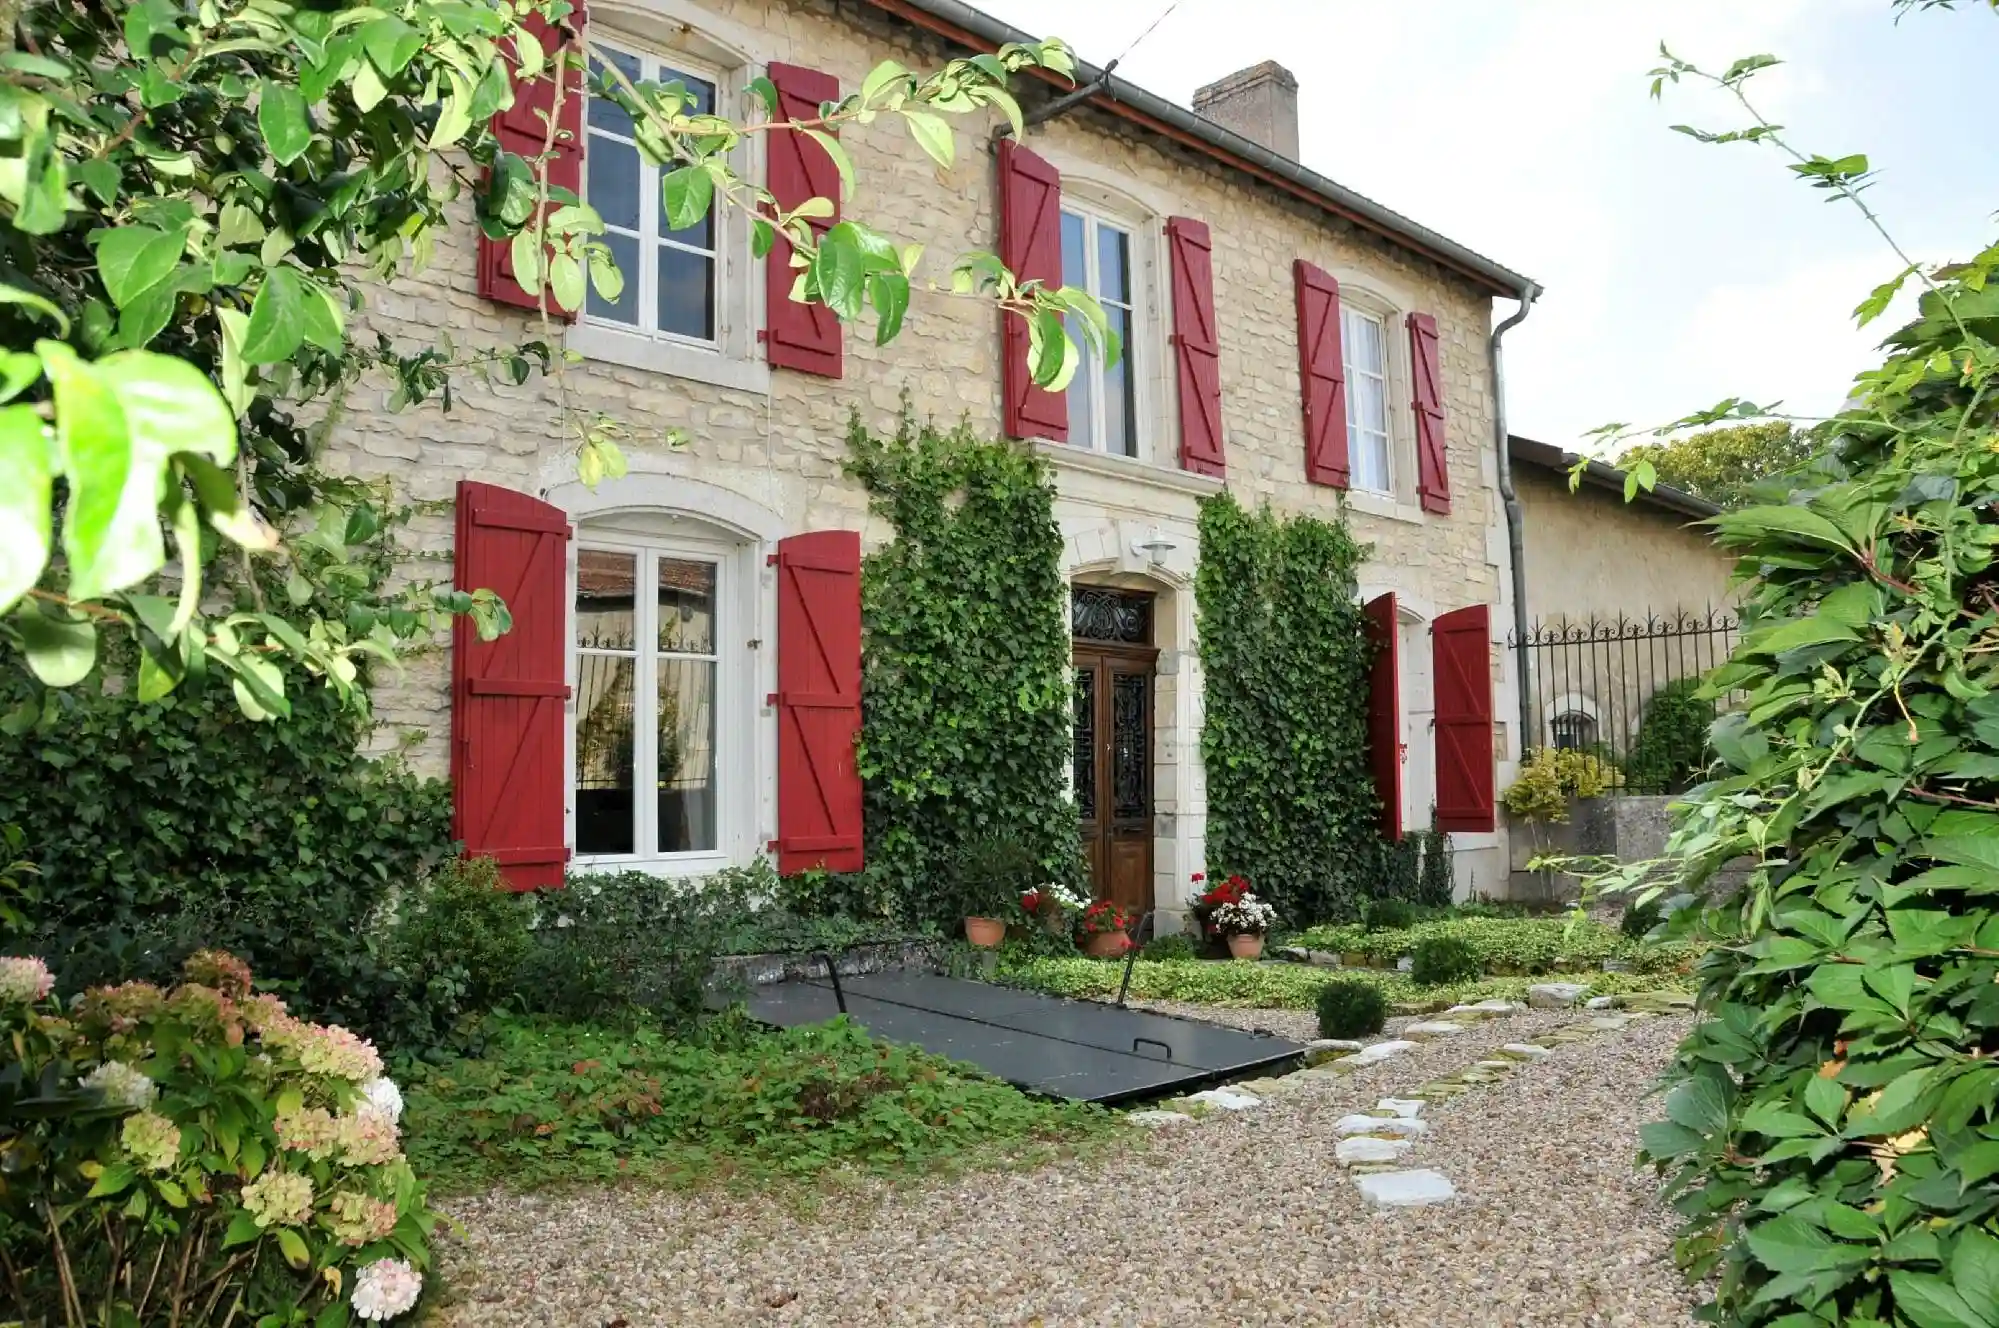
1031	901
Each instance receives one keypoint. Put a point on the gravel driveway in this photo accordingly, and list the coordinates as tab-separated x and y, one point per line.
1242	1218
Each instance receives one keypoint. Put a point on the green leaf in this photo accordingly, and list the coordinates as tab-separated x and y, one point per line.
455	117
526	251
933	134
158	674
325	320
889	293
880	77
39	305
391	44
277	318
1930	1302
1974	1269
838	271
61	652
18	371
284	120
133	259
100	177
565	281
114	1179
688	193
1751	524
368	89
841	162
1788	1244
96	456
1772	1119
765	92
146	316
293	1247
25	475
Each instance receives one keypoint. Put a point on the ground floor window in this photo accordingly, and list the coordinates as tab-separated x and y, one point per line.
646	774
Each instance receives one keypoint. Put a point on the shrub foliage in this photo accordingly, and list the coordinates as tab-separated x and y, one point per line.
1441	959
1350	1009
965	662
1671	750
1284	660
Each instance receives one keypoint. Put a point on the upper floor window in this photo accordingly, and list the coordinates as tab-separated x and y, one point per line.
1103	401
1364	337
671	276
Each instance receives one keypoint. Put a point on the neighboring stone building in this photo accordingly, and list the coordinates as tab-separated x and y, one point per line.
1214	249
1623	598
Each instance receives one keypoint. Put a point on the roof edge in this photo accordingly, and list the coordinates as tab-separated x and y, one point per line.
977	30
1603	475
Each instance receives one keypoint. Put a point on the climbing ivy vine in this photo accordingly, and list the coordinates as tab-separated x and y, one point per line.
1284	654
965	661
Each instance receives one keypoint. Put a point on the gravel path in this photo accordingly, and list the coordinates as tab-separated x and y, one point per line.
1239	1219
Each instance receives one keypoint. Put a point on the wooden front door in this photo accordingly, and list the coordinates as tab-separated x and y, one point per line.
1113	760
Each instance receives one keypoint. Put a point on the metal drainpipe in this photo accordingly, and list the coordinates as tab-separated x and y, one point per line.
1515	536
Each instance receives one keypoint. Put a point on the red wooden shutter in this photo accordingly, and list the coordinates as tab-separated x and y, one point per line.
523	129
1030	237
1196	347
1322	373
799	336
1433	470
1461	642
818	701
1384	713
507	771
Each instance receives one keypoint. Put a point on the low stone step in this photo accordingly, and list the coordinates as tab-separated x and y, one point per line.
1405	1189
1365	1149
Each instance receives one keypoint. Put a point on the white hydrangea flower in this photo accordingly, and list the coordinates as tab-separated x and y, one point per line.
122	1086
385	1289
383	1095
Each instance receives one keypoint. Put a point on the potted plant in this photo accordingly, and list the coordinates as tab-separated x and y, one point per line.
1208	898
1105	927
1053	905
1244	921
987	882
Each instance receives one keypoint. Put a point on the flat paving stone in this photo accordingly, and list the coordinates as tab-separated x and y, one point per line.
1382	1125
1363	1150
1378	1052
1555	995
1408	1108
1226	1099
1524	1051
1406	1189
1155	1119
1433	1028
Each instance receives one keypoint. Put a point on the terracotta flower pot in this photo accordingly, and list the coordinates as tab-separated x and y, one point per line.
985	933
1246	947
1106	944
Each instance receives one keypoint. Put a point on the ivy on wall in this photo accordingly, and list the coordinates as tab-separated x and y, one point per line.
1284	651
965	661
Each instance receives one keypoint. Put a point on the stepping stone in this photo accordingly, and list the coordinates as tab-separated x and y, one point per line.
1321	1050
1324	959
1156	1119
1362	1149
1432	1028
1406	964
1524	1051
1600	1003
1405	1189
1555	995
1382	1125
1610	1023
1499	1066
1227	1099
1500	1007
1377	1052
1408	1108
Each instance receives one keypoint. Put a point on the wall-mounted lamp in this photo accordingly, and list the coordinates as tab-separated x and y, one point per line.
1155	546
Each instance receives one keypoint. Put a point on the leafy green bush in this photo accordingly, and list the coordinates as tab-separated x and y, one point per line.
1640	917
552	1103
989	875
1350	1009
203	1131
964	663
1530	945
1444	959
1285	655
1671	750
1437	887
1390	914
177	825
1550	776
460	935
1179	945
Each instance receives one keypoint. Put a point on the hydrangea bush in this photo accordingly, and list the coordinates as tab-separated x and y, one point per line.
197	1155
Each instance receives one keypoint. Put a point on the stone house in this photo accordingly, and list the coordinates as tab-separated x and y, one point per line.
1622	598
693	626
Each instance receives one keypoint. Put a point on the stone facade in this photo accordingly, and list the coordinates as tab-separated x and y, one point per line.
765	446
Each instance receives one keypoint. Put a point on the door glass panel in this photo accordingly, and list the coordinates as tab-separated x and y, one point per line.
1131	756
1083	755
686	754
605	748
686	607
604	597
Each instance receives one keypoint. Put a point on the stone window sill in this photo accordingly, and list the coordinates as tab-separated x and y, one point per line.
1065	457
1386	506
609	346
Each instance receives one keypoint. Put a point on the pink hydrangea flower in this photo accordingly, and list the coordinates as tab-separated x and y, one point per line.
279	1199
23	981
311	1130
358	1219
329	1050
385	1289
151	1139
368	1138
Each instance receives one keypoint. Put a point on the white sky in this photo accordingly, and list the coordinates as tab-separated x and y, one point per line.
1677	273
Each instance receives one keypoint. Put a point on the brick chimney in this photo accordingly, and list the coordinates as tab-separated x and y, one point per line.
1260	103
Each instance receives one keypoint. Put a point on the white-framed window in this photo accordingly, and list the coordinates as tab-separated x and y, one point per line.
1370	447
647	774
673	278
1098	254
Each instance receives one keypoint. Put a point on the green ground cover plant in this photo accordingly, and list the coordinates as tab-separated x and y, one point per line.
1280	986
551	1103
1530	945
1439	960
